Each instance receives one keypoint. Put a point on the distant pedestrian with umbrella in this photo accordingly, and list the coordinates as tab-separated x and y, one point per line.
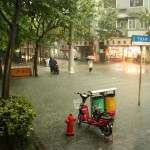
90	64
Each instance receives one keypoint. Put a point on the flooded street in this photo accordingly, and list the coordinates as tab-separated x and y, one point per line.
53	99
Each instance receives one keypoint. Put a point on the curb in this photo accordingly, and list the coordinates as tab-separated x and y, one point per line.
37	142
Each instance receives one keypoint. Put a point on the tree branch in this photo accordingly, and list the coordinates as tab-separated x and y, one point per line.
4	17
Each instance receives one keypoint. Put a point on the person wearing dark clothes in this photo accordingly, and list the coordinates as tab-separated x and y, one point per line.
138	57
52	64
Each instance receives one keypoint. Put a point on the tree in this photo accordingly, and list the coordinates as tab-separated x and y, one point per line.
0	67
107	22
41	20
10	11
11	126
3	34
45	16
3	41
145	16
79	15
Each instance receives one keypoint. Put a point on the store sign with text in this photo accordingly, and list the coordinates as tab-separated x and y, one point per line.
118	42
140	40
81	43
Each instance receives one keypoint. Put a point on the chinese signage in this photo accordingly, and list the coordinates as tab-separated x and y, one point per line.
81	43
17	72
119	42
136	3
140	40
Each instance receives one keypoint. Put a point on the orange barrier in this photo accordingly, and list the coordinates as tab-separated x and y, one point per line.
17	72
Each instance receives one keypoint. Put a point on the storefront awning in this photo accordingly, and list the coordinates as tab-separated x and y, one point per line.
122	15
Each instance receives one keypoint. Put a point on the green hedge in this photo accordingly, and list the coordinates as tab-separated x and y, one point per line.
16	121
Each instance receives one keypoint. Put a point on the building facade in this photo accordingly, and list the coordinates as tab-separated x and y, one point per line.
128	23
127	19
116	48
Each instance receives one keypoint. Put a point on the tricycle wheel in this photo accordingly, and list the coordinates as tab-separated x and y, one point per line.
106	130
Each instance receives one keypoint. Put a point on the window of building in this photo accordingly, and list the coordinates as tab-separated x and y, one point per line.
132	24
144	24
136	3
110	3
123	24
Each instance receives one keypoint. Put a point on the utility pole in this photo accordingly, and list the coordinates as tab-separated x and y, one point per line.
140	76
71	50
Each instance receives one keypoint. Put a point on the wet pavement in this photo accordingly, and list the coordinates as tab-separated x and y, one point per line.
53	96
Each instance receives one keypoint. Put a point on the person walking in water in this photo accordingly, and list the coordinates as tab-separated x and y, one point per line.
90	64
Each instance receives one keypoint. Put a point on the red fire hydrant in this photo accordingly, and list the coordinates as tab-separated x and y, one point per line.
70	124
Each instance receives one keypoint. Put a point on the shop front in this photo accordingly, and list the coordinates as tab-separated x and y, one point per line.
120	49
132	52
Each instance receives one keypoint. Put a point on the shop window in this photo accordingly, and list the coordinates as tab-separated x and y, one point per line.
123	24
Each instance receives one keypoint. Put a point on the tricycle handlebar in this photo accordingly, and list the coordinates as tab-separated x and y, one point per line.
84	96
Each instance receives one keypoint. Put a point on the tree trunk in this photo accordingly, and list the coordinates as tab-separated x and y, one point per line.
0	67
40	55
28	58
7	66
9	50
35	70
71	50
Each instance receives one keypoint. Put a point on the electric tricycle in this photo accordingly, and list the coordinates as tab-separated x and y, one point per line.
104	121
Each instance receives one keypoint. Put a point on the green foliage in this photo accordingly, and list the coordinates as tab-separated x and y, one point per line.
16	116
39	17
145	15
107	23
86	14
3	34
16	122
23	34
80	14
44	16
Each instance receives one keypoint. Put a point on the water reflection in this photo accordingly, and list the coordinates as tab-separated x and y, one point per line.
131	68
